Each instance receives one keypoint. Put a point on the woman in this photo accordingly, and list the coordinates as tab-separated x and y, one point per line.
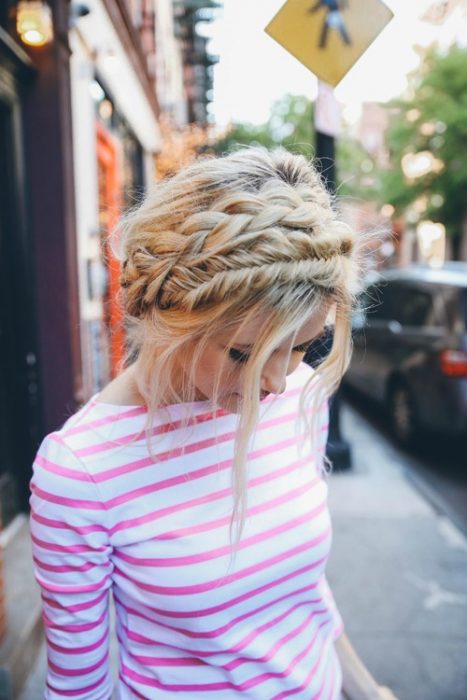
187	487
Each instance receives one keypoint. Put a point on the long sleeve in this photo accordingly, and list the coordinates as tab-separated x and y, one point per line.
72	560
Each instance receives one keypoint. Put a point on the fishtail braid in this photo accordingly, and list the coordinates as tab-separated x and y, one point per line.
244	240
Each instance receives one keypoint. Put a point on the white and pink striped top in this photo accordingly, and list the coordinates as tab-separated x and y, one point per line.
190	621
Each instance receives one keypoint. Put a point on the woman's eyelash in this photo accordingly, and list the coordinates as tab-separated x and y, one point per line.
242	357
301	348
238	356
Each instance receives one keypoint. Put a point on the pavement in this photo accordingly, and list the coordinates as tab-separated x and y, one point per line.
18	649
398	570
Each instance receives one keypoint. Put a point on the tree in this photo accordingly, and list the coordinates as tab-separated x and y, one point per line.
291	125
179	146
427	141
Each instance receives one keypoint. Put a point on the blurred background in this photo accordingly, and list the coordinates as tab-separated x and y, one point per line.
100	99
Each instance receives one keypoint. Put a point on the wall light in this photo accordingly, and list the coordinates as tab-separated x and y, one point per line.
34	22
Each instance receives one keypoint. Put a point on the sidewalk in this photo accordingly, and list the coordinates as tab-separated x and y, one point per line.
398	571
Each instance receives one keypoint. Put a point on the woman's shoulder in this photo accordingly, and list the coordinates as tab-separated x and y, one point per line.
93	426
121	391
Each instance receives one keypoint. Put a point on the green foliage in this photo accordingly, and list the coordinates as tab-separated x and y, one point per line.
355	170
434	120
290	125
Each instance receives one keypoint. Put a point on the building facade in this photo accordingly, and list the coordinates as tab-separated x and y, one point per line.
115	116
80	114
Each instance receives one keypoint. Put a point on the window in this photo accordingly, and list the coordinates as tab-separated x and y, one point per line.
414	308
378	301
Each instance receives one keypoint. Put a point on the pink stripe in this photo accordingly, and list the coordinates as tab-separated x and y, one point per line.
68	549
77	417
126	524
164	661
233	621
215	495
61	471
83	427
165	483
139	410
254	510
222	685
304	653
60	525
64	501
135	693
64	589
240	645
77	691
226	580
83	627
76	608
73	672
235	663
226	549
79	650
310	676
232	602
63	568
157	430
188	449
151	488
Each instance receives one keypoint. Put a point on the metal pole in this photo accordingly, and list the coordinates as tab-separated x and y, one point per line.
337	448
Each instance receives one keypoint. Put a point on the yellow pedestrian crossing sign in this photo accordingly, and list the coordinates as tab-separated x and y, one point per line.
328	36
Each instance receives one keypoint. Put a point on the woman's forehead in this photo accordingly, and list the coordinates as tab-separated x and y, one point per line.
247	333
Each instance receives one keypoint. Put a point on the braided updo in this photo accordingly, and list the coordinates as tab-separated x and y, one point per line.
253	234
233	227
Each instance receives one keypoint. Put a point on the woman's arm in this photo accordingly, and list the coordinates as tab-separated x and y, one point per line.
358	683
73	568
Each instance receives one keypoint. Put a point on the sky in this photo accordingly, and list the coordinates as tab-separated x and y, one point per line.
254	70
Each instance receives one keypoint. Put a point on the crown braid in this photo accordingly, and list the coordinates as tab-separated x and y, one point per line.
271	227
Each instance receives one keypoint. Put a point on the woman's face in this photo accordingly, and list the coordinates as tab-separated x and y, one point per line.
227	353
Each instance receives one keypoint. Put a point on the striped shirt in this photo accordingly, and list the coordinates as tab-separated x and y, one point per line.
151	528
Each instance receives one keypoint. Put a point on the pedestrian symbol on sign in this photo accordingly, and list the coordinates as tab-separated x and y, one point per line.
328	36
332	20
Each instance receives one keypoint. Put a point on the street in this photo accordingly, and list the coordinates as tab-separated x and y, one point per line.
398	567
437	466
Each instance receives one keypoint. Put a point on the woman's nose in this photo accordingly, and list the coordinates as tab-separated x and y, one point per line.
273	378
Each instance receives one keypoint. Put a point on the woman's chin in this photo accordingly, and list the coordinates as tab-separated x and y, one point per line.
233	402
230	402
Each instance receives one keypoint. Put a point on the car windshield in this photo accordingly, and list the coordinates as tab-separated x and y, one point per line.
464	305
456	308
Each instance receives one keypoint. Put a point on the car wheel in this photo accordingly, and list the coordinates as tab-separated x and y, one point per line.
402	414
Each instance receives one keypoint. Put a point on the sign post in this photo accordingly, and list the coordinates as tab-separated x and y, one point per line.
328	37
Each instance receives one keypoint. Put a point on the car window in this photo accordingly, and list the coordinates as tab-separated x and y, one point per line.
414	308
456	308
378	302
463	300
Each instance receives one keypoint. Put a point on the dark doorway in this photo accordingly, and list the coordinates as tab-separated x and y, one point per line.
19	390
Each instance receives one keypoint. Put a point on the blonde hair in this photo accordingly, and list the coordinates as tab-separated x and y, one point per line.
221	242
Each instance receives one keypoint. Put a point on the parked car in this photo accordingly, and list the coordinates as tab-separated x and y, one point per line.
410	348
